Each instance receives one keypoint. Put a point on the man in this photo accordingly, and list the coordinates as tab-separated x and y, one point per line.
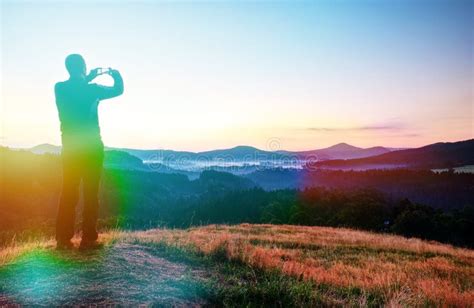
82	148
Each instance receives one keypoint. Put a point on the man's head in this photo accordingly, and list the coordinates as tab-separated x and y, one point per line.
76	66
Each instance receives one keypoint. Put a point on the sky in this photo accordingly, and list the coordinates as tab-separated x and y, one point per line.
294	75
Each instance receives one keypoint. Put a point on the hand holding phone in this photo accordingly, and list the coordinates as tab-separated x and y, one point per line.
102	71
96	72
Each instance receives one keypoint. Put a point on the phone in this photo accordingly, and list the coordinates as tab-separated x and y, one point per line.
101	70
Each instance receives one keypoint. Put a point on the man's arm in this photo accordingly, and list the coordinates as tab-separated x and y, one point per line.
58	93
56	90
105	92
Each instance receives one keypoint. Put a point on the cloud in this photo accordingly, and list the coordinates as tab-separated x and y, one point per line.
411	135
386	127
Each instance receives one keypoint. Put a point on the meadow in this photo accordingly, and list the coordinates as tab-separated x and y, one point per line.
248	264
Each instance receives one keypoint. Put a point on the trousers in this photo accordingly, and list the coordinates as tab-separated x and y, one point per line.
86	165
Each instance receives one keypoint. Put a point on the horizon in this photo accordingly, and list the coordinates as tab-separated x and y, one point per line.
244	145
202	76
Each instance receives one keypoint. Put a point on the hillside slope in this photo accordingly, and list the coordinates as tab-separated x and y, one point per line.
341	151
437	155
241	265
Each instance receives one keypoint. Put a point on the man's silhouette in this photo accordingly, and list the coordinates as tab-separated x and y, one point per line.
82	148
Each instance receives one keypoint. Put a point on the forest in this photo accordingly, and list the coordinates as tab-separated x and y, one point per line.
132	199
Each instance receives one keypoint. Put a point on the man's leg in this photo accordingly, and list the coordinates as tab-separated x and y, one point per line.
91	182
68	199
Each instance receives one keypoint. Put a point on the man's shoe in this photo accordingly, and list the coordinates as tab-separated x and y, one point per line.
64	245
90	245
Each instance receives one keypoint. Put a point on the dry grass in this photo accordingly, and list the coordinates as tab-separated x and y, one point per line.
14	250
404	271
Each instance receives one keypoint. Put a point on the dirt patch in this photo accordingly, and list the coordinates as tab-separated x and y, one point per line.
123	274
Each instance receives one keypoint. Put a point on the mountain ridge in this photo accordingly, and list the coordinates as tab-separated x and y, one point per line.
436	155
240	152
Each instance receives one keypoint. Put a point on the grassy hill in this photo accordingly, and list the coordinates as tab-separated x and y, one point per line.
240	265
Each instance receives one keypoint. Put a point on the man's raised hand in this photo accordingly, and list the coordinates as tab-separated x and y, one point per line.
93	74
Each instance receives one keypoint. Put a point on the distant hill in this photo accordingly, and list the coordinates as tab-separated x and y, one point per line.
239	153
159	154
222	181
46	148
341	151
437	155
242	153
246	153
117	159
123	160
113	158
